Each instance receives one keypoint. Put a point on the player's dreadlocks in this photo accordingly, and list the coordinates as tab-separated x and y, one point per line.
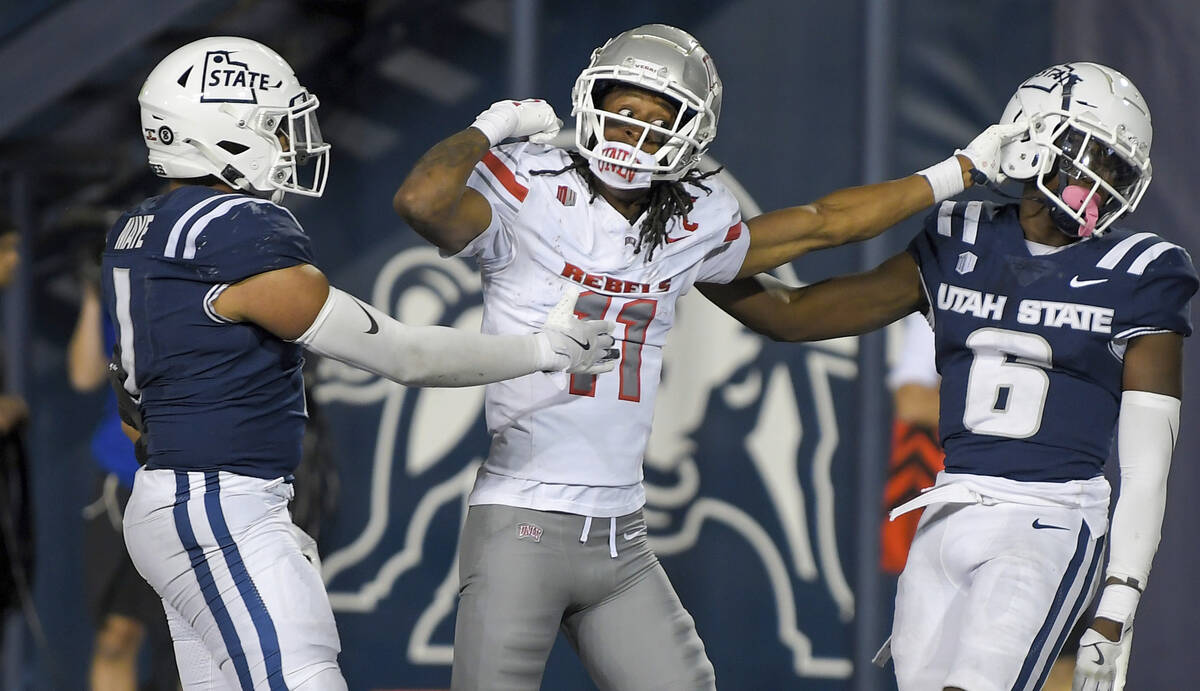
666	199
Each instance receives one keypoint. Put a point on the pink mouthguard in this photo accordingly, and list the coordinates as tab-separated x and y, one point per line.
1074	196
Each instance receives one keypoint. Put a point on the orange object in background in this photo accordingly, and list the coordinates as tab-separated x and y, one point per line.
915	462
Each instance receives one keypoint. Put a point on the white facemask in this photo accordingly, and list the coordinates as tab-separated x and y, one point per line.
618	176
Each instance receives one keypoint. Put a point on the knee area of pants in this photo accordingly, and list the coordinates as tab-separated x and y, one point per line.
327	679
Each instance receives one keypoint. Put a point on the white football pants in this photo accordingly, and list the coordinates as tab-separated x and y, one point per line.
246	609
992	588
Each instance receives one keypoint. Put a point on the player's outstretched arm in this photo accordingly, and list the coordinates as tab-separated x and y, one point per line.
1147	428
435	200
859	213
841	306
298	304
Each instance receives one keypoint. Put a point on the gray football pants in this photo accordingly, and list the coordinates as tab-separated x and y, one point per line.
525	574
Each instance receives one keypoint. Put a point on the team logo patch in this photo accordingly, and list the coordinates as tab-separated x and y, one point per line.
226	80
966	263
529	531
165	135
566	195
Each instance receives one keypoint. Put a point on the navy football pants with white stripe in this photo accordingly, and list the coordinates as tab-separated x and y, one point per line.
246	609
990	593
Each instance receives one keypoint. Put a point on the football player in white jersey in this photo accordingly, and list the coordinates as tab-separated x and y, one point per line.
215	295
1053	330
554	536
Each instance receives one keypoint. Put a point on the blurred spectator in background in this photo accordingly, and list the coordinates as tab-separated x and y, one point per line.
16	522
916	456
126	610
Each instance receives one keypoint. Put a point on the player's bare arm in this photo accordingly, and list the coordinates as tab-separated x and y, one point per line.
860	213
284	302
435	199
841	306
1154	363
847	215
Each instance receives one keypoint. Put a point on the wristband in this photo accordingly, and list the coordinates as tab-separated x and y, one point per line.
945	178
1118	602
489	130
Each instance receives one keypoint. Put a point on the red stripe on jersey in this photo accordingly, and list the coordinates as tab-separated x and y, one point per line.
505	176
735	232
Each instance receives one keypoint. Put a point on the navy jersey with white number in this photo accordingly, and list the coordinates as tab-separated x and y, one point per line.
213	394
1030	348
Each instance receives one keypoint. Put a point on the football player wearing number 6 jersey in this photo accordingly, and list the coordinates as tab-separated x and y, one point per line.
214	292
554	536
1053	330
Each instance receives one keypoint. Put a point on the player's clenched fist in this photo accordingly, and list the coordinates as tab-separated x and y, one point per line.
579	346
532	118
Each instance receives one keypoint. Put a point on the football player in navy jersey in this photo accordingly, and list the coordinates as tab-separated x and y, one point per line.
1053	330
214	293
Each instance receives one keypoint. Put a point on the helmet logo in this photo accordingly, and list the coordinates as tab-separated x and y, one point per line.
650	68
165	135
1051	78
228	81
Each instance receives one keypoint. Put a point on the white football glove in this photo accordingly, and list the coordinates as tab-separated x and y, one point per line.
1100	663
581	346
532	118
984	150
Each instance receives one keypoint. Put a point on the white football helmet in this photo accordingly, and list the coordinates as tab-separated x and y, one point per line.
232	108
667	61
1091	121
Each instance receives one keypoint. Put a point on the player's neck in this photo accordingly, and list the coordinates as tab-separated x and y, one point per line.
1039	227
628	203
220	187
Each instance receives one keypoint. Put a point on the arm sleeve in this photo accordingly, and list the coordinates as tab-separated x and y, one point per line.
357	334
1147	428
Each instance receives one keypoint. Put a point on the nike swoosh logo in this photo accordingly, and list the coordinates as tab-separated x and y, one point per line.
586	345
635	533
670	239
1038	525
1076	283
1099	655
374	326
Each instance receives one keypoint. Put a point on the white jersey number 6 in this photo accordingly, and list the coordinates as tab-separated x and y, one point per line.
1006	391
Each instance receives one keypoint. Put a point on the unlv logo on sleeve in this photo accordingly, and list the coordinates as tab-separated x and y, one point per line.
226	80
